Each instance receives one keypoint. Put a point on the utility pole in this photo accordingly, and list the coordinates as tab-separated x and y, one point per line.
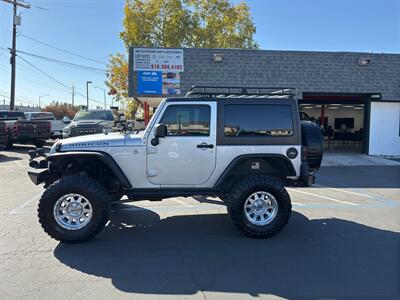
16	22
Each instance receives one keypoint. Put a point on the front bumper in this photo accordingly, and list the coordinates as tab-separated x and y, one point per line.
56	134
39	176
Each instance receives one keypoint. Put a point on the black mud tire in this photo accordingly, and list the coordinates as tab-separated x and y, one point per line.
39	143
313	141
85	186
249	185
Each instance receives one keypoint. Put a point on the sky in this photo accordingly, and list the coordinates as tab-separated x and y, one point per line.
90	28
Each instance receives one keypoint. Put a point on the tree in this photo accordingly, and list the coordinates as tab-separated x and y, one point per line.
117	78
61	110
179	24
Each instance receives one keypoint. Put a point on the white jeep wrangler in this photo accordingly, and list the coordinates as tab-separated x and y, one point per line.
242	145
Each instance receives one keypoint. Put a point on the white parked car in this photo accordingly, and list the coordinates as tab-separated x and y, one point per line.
56	125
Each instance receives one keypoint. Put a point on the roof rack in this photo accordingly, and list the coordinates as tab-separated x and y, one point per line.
208	91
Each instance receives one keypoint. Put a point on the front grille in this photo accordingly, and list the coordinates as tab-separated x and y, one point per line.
85	130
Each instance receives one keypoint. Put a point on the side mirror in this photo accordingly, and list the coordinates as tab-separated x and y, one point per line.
66	120
160	131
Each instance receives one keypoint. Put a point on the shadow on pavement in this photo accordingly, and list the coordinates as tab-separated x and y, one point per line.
359	177
21	148
6	158
184	255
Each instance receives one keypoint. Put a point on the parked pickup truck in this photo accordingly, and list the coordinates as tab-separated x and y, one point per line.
20	130
56	125
3	135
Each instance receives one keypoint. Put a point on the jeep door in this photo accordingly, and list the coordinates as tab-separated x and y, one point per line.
186	155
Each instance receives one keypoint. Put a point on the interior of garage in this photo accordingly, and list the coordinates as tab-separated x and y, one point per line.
342	119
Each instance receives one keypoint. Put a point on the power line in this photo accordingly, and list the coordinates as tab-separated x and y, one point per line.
44	73
62	50
65	63
57	81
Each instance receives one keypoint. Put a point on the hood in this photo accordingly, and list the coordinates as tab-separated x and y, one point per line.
101	140
92	141
91	122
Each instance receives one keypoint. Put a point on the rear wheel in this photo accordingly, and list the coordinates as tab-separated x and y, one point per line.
259	206
74	209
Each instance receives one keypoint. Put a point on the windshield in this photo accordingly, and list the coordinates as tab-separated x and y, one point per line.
94	115
42	116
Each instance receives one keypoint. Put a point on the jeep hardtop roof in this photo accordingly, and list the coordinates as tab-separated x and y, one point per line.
205	91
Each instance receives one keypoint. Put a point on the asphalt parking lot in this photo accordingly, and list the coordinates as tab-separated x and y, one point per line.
342	242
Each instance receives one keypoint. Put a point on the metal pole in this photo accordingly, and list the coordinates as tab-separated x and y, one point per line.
87	94
42	97
105	101
73	95
14	47
12	61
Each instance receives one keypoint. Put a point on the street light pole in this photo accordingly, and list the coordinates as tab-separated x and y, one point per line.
87	93
42	97
104	91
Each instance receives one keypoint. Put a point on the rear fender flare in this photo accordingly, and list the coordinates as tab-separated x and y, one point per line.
274	164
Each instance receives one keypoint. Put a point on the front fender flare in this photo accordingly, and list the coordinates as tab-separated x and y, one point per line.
105	158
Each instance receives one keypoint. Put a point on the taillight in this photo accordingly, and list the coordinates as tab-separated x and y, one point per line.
49	124
16	128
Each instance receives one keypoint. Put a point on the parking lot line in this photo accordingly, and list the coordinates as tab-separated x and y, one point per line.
323	197
21	206
344	191
19	164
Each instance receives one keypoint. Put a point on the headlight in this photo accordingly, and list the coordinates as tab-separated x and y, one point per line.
107	130
66	131
53	149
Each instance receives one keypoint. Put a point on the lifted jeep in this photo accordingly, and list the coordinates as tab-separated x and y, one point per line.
242	145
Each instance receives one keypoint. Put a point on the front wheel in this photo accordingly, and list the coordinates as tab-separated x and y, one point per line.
74	209
259	206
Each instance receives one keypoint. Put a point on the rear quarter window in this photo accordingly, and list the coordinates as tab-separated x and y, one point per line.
257	120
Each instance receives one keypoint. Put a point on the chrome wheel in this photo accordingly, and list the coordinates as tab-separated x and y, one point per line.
72	211
260	208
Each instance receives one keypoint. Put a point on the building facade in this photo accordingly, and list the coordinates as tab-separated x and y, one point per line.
354	96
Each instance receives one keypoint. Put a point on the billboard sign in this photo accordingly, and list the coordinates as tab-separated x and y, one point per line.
149	82
156	59
171	83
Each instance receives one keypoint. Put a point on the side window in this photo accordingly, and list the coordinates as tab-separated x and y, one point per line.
258	120
187	120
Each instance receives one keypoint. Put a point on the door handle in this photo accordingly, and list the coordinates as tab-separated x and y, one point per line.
205	146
